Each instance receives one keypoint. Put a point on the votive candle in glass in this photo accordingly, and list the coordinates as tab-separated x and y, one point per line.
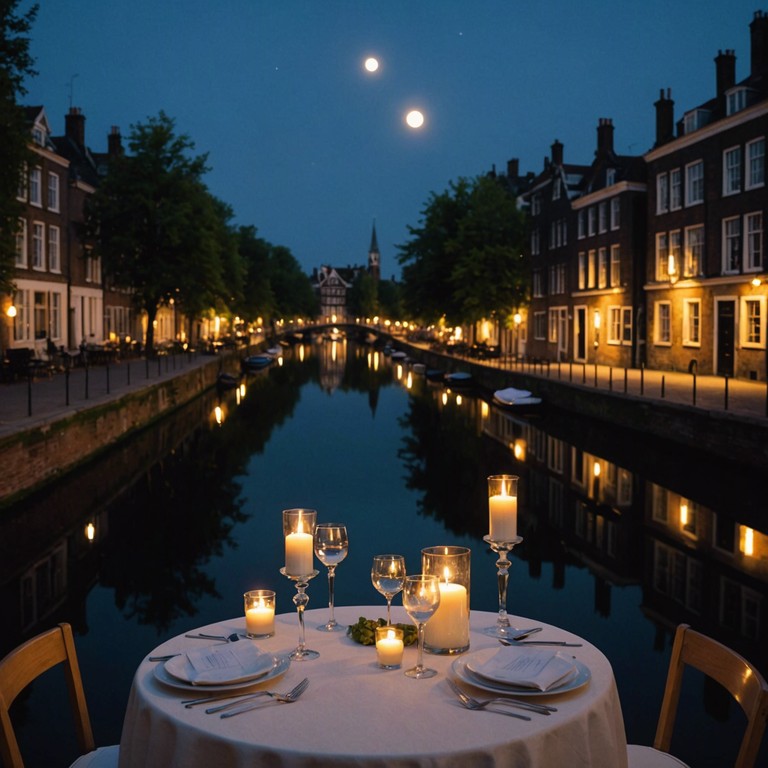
389	646
259	607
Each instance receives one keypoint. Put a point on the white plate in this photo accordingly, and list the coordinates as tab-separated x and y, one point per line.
163	676
460	669
253	665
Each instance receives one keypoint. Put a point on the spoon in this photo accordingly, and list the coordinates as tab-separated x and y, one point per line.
524	633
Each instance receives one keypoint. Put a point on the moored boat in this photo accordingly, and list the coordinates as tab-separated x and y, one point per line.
512	397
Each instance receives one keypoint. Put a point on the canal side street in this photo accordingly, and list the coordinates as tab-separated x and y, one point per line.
726	417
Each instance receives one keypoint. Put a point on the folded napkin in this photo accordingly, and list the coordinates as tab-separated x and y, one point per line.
226	663
528	668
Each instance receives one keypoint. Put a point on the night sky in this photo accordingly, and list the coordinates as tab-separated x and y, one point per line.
308	146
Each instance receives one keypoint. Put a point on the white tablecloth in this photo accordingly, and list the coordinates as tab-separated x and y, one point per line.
355	713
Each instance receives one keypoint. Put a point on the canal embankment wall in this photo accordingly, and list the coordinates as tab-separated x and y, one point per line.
54	445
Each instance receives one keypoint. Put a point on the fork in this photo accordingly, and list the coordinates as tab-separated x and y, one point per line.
276	698
471	703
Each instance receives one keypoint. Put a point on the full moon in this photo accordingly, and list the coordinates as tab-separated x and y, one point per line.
414	118
371	64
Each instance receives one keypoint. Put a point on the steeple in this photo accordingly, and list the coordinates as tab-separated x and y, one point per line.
374	257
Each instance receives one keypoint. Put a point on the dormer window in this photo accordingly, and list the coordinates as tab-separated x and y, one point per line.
610	177
38	137
695	119
557	187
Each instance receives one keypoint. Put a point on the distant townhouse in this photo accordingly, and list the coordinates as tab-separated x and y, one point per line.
706	266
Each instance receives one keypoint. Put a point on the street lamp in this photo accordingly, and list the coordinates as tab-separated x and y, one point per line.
517	318
597	322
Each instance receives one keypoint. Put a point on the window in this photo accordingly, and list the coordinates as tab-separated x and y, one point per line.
557	279
582	270
603	216
22	328
21	244
38	248
662	256
34	187
535	204
552	330
41	314
695	119
21	192
663	323
580	224
54	257
694	183
56	304
92	269
692	322
538	288
675	249
591	269
662	193
694	251
535	242
614	277
610	177
540	325
614	325
626	325
755	165
602	270
735	101
591	221
53	192
753	228
615	212
732	171
753	322
675	190
731	245
557	186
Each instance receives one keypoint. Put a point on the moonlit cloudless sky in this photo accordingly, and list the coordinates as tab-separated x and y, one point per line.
309	147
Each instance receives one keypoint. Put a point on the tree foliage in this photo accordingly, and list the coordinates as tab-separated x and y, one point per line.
159	231
15	65
466	261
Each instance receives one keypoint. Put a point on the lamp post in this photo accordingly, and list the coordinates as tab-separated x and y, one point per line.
597	320
517	318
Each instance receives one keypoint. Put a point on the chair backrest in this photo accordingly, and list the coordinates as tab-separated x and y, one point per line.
21	666
728	668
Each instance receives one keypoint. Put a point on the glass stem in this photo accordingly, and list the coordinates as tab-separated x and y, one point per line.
420	647
389	611
331	575
503	578
300	599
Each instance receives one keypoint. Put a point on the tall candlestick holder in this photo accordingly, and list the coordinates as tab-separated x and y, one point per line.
502	627
300	600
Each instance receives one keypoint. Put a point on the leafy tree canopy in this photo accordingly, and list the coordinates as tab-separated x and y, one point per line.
159	231
15	65
466	261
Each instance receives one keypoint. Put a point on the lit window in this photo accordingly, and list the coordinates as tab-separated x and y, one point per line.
753	226
662	256
694	251
663	333
753	322
692	322
731	245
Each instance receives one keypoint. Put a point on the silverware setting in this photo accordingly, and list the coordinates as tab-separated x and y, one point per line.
253	701
234	637
164	658
524	633
471	703
540	642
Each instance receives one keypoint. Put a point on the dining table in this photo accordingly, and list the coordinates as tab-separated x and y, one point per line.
356	713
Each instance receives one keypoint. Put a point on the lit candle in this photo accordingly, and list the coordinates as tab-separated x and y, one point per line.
260	619
389	646
503	516
449	625
298	552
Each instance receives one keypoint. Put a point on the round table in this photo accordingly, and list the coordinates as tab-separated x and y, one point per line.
355	713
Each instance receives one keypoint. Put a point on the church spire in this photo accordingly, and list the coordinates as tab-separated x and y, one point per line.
374	257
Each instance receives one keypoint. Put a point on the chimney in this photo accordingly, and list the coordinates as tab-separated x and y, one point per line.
75	126
605	135
759	44
665	118
114	142
513	168
725	67
557	153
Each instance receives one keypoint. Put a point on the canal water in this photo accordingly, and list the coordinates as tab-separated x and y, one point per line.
624	537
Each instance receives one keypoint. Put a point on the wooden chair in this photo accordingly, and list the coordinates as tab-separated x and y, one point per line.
27	662
733	672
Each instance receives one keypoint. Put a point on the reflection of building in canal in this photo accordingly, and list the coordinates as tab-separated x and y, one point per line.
694	565
333	359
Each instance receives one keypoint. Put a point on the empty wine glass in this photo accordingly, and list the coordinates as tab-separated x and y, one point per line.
387	575
421	598
331	547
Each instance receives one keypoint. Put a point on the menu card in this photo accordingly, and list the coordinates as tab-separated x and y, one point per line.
227	663
527	668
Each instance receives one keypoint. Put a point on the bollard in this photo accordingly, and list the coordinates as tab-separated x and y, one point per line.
694	388
595	375
642	378
663	383
726	393
583	373
570	371
610	379
625	380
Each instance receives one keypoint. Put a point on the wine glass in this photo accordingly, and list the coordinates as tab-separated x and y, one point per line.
421	598
387	575
331	547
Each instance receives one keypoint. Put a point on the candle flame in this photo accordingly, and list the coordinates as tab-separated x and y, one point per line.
503	487
446	574
390	634
300	526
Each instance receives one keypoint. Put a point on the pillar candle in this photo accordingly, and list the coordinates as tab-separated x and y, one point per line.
298	553
449	625
503	517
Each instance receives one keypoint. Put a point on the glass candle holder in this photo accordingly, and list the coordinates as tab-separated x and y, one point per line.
447	631
259	606
389	647
502	507
299	531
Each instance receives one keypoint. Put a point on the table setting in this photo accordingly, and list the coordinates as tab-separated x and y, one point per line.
433	684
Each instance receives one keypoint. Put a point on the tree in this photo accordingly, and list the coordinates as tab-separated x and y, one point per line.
159	231
467	259
292	288
363	298
15	65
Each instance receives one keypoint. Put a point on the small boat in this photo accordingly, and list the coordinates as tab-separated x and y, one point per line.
257	362
512	397
419	368
227	381
274	352
398	355
458	379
